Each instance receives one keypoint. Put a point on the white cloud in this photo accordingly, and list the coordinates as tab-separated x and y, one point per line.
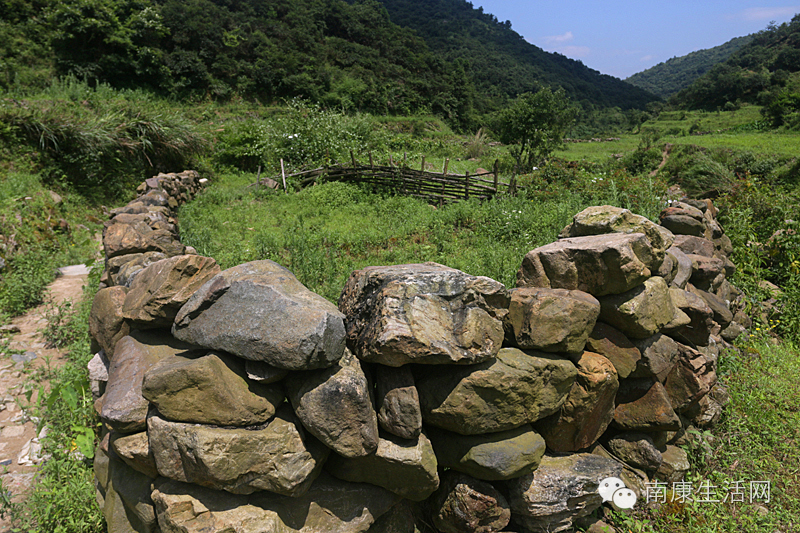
647	58
558	39
575	51
766	13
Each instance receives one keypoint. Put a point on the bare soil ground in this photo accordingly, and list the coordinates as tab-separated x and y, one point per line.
17	432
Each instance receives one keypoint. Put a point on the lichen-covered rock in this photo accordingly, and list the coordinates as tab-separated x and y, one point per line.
124	239
106	323
603	219
707	272
277	319
424	314
122	270
599	264
211	389
700	317
659	354
514	389
639	312
551	320
643	404
560	491
467	505
493	456
330	506
683	268
636	449
159	290
722	314
674	465
407	468
691	245
135	451
691	378
397	401
588	410
276	457
124	408
335	405
611	343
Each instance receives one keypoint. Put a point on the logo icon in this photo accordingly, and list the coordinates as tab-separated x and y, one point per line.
613	489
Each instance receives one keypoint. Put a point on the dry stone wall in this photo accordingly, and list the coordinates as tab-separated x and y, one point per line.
240	401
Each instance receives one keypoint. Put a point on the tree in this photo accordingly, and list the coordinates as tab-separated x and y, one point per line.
535	124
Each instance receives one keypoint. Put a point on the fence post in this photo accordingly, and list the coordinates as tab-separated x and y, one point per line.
283	175
444	171
423	163
353	159
496	174
371	164
405	159
258	176
466	186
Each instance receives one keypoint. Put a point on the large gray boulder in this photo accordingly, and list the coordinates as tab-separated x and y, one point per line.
598	220
422	313
598	264
211	389
551	320
639	312
330	506
259	311
467	505
335	405
277	457
560	491
493	456
588	410
397	401
514	389
124	408
407	468
159	290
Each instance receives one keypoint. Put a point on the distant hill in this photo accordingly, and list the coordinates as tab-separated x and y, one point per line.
763	71
669	77
501	62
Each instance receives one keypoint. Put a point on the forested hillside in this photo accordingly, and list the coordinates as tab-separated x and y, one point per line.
351	55
766	71
502	63
669	77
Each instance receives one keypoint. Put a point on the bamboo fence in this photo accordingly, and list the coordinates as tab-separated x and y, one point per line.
436	187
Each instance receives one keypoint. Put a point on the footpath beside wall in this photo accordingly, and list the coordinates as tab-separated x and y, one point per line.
240	401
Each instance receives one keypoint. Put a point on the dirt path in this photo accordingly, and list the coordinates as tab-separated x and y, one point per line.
18	442
664	157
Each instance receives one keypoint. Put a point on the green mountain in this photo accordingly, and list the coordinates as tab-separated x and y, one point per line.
501	62
764	71
669	77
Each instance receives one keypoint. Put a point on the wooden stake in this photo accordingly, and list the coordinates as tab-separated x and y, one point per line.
353	159
466	186
283	175
391	162
258	176
423	163
446	163
405	159
496	173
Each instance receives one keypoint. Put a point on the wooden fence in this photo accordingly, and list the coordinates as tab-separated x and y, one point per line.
436	187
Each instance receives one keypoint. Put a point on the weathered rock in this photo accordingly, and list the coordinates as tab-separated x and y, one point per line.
599	265
683	269
643	404
659	354
718	306
668	269
278	320
276	457
124	408
407	468
399	519
122	270
124	239
514	389
98	367
603	219
560	491
691	245
264	373
674	465
211	389
106	323
335	405
633	478
120	519
135	451
330	506
422	313
636	449
682	224
724	245
493	456
397	402
700	317
732	332
640	312
589	407
707	411
691	378
551	320
467	505
159	291
616	347
707	272
133	489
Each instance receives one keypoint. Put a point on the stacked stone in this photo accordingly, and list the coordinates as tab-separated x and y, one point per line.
239	400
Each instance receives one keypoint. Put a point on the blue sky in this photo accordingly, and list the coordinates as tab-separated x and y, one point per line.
621	38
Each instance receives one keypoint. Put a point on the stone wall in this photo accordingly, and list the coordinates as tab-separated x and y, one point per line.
240	401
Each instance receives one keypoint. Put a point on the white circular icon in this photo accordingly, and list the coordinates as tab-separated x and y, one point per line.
608	486
624	498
